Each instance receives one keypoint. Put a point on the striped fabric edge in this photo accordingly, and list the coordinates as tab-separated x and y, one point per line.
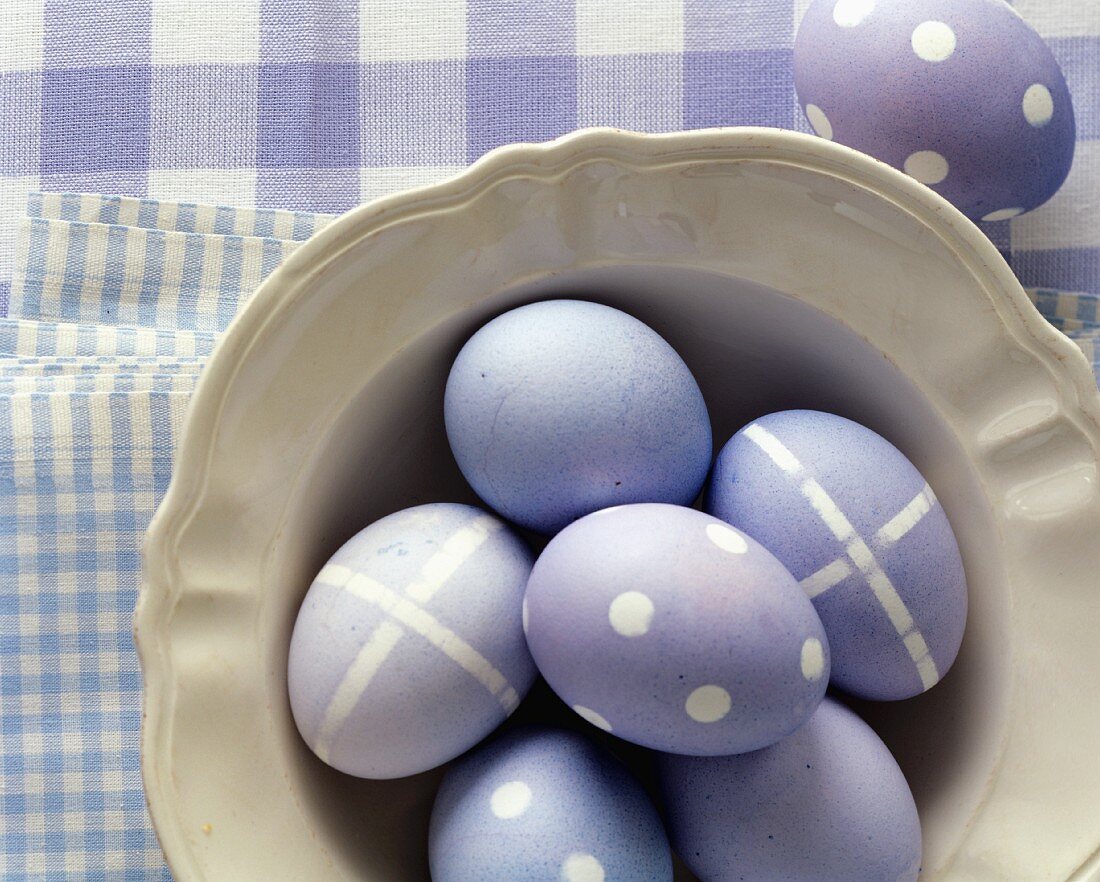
22	338
1089	343
42	434
110	274
64	366
180	217
1067	310
142	383
1070	326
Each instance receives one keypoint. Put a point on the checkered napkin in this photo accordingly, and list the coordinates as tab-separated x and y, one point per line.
115	305
320	105
315	106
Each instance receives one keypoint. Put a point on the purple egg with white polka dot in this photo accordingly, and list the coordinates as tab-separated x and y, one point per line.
408	648
829	803
541	804
863	532
960	94
675	631
560	408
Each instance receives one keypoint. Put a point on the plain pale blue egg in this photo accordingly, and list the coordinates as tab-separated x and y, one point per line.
545	805
675	631
564	407
827	804
408	648
858	526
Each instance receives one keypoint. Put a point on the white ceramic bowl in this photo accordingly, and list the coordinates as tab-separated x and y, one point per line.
788	271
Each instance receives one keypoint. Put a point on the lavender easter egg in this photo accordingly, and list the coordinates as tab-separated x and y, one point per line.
560	408
408	648
961	94
545	805
857	525
675	631
827	804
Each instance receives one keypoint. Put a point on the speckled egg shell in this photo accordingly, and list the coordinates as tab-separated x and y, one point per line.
961	94
560	408
545	805
857	525
827	804
408	648
672	630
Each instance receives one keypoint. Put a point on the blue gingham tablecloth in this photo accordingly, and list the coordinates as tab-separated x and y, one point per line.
301	108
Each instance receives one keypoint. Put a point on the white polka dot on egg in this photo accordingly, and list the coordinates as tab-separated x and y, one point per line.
727	538
582	867
819	121
510	800
813	659
591	716
927	166
1038	105
1003	214
631	613
933	41
851	13
708	704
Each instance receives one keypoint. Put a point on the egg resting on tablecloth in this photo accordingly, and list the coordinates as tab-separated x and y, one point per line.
559	408
863	532
960	94
827	804
542	804
408	648
675	631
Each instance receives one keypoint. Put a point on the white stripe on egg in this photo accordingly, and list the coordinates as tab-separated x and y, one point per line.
456	550
856	549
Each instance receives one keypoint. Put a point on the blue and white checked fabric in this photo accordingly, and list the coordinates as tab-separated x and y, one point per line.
84	272
295	107
317	105
89	416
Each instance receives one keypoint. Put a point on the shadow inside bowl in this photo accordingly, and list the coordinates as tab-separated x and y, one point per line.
753	351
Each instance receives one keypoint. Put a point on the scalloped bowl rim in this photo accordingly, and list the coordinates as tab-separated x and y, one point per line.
283	289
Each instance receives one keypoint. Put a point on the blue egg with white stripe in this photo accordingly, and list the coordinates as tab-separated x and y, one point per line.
408	648
545	805
855	522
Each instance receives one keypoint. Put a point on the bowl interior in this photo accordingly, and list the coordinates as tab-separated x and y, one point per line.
753	350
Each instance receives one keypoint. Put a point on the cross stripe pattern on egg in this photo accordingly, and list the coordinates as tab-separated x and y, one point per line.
892	531
405	612
858	554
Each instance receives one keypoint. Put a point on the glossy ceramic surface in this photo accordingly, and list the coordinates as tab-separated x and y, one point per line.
787	272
